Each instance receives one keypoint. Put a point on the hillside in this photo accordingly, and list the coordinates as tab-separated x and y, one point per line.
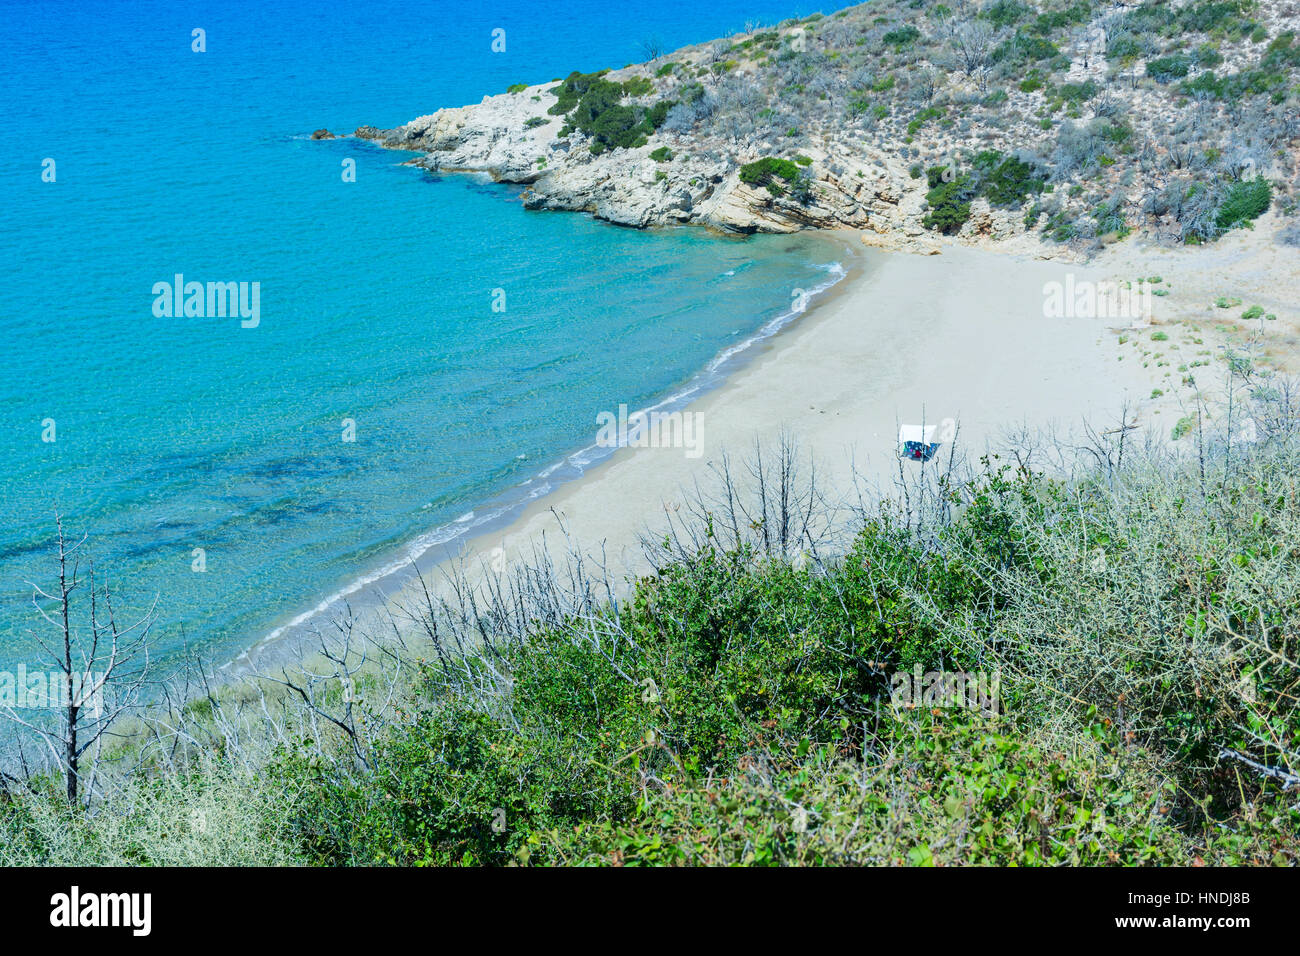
1075	122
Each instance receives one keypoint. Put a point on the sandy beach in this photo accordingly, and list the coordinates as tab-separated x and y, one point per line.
903	339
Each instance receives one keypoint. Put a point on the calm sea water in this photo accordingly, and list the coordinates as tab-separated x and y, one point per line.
176	434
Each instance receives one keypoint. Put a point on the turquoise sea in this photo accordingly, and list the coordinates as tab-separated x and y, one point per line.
175	437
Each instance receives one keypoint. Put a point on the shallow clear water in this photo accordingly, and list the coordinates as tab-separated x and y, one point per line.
181	433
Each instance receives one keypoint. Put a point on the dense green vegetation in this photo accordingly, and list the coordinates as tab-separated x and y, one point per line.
1005	181
1244	202
1168	68
595	106
770	172
739	716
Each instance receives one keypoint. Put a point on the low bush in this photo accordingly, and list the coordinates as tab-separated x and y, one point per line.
1244	202
770	173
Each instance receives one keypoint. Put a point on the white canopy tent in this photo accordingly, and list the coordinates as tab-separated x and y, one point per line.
917	442
921	434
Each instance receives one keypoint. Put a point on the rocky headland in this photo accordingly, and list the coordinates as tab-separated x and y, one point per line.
1056	127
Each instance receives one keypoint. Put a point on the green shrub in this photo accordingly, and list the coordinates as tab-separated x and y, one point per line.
923	117
1005	13
1165	69
949	203
571	90
1245	201
1007	181
594	105
637	86
972	794
901	37
1123	46
1208	56
768	172
1077	92
1024	48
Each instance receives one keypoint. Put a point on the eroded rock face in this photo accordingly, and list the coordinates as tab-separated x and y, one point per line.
323	134
513	138
994	224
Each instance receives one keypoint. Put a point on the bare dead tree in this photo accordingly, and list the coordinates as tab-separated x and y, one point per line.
652	48
99	667
771	502
973	43
928	85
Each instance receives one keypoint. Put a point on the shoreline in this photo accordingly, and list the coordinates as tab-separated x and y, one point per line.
452	541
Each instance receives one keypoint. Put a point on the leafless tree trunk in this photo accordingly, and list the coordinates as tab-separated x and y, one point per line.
652	48
973	43
102	667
